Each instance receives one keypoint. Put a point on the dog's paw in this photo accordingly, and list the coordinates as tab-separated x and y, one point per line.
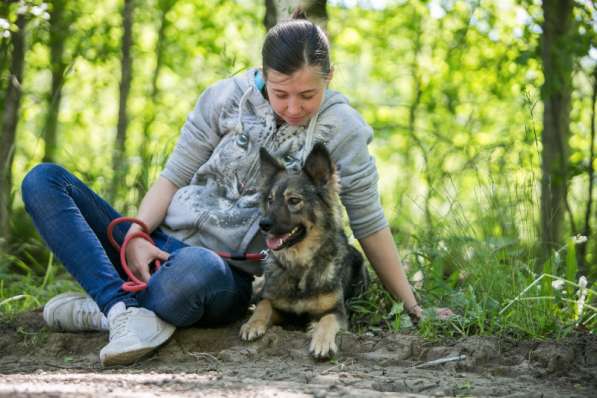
323	343
253	329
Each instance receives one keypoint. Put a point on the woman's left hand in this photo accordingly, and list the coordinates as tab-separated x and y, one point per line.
441	313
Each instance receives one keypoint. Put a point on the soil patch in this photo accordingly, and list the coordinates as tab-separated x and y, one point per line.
35	362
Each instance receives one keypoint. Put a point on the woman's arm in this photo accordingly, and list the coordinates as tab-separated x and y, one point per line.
381	251
154	205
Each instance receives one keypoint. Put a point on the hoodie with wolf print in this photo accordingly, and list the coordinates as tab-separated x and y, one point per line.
215	165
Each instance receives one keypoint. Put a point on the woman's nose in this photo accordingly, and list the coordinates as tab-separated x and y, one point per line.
294	107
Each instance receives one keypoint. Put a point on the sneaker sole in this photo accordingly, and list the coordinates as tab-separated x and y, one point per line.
128	357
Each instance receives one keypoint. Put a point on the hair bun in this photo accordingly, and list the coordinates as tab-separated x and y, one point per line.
298	13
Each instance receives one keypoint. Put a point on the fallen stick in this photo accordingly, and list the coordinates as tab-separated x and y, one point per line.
441	361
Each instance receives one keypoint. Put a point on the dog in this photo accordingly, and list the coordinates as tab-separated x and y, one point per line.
311	269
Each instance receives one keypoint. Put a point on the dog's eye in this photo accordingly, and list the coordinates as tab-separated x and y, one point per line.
269	200
294	201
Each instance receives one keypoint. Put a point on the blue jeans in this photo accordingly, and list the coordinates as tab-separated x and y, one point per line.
195	286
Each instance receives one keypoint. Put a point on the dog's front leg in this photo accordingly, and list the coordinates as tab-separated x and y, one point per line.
323	342
261	319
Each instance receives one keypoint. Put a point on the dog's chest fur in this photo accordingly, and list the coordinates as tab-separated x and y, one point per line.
311	286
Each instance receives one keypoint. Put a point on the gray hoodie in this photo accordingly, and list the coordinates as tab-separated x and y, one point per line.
215	165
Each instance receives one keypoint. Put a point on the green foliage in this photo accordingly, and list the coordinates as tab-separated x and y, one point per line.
25	290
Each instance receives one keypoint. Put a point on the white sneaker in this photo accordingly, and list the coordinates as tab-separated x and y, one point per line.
134	332
74	312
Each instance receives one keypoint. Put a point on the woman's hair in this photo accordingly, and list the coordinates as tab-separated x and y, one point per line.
295	43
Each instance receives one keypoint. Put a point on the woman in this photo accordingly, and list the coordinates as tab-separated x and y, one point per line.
206	200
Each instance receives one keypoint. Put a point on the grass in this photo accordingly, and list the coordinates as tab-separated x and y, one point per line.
493	293
482	262
24	290
490	284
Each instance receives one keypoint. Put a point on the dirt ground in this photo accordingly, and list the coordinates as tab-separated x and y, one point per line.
214	362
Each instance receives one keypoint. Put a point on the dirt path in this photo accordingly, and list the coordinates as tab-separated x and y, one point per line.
214	362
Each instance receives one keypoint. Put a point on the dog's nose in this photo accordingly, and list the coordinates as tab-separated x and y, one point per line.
265	224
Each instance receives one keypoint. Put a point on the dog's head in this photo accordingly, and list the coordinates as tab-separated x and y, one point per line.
298	208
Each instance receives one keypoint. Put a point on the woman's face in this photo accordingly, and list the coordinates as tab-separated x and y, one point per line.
296	98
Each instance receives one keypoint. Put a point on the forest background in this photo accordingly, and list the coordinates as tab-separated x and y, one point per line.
484	120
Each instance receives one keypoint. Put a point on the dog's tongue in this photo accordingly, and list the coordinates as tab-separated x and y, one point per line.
275	242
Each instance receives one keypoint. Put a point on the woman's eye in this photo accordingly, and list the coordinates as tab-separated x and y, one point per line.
294	201
307	97
281	96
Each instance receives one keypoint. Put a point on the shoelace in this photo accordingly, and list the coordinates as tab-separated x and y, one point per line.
88	315
118	327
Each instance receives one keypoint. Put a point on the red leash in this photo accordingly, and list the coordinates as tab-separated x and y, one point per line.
135	284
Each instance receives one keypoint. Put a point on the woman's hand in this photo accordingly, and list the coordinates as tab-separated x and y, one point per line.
140	253
416	313
152	210
443	313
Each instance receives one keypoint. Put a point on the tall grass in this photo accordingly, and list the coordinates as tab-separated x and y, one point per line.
482	262
26	290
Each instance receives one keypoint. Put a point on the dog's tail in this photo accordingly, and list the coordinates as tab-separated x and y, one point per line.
358	280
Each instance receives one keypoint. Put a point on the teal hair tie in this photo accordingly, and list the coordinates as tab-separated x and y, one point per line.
259	82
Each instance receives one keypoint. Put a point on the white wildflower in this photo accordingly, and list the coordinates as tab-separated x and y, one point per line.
420	259
417	279
46	16
556	256
441	245
578	239
469	253
582	296
558	284
36	10
4	24
6	34
463	275
582	282
23	8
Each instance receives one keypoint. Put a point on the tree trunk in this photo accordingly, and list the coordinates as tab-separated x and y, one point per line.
58	34
10	119
4	56
118	164
584	263
143	179
279	10
412	116
556	92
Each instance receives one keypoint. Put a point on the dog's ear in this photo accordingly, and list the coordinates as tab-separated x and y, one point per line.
319	165
270	166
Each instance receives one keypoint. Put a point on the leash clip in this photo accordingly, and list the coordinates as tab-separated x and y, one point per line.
264	254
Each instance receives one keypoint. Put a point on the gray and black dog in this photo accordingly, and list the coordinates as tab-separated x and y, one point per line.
311	269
